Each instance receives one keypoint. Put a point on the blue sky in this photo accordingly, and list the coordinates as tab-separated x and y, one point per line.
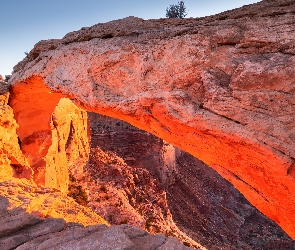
25	22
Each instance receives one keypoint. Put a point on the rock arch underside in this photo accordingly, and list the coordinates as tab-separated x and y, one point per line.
221	88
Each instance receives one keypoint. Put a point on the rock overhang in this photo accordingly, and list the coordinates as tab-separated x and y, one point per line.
222	90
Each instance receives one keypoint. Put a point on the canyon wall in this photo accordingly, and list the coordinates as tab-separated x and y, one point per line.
221	88
204	205
53	133
138	148
12	161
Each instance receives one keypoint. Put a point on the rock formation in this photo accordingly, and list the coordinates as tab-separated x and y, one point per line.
138	148
222	217
125	195
12	161
29	214
54	135
220	88
203	205
24	212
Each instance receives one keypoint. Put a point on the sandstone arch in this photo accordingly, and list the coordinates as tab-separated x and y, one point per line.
221	88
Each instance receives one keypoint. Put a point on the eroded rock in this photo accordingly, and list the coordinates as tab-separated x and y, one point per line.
125	195
220	88
54	135
138	148
12	161
23	228
203	205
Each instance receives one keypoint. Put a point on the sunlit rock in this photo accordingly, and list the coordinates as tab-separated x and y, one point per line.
221	88
53	133
12	161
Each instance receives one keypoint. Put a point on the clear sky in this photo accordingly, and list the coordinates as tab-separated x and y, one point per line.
25	22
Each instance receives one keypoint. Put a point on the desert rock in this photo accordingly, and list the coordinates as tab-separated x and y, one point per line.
220	88
13	163
54	135
31	219
202	204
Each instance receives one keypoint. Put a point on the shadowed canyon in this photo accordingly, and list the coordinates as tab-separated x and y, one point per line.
219	88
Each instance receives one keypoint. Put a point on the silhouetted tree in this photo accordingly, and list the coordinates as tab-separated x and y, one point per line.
7	77
176	10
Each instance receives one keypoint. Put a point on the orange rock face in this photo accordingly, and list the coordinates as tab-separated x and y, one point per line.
221	88
53	133
12	161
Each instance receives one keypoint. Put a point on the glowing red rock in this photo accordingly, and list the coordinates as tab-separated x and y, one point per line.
221	88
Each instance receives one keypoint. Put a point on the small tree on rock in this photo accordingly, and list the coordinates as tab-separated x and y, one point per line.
176	10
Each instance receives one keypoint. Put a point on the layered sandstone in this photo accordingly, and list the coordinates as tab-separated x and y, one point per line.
221	88
125	195
222	217
138	148
69	149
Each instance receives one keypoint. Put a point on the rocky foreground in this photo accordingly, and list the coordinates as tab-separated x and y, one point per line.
25	231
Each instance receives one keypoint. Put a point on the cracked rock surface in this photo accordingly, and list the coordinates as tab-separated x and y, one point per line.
42	218
221	88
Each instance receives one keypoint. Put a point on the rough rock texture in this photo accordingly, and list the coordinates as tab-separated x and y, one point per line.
203	205
25	212
12	160
125	195
222	217
53	135
103	238
69	150
221	88
138	148
21	195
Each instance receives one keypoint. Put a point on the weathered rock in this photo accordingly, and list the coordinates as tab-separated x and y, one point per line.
173	243
107	238
102	237
69	149
203	205
46	227
125	195
71	233
22	229
12	160
21	200
210	210
54	136
221	88
138	148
